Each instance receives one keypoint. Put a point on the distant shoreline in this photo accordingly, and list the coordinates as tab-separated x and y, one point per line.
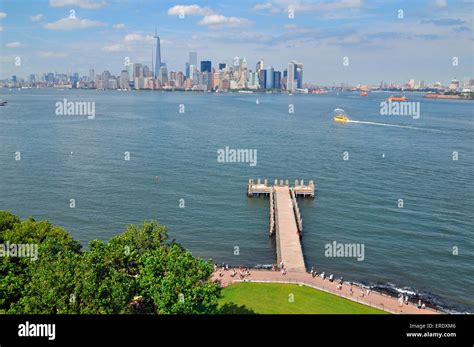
430	94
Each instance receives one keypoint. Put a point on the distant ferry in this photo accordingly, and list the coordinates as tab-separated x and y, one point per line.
246	91
3	103
397	98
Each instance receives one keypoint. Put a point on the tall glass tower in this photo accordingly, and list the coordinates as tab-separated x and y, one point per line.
193	58
158	55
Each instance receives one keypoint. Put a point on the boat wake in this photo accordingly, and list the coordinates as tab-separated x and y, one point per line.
391	125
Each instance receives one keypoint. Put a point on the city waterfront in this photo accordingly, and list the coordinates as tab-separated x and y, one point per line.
173	175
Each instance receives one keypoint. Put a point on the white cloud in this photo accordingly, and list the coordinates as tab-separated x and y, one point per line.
308	5
70	23
119	26
115	48
210	17
341	5
15	44
137	38
189	10
1	29
7	58
441	3
36	18
217	20
2	15
86	4
49	54
267	6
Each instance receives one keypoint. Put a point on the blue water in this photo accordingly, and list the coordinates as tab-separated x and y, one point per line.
174	156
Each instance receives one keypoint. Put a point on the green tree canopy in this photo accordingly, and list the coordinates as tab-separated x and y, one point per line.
138	271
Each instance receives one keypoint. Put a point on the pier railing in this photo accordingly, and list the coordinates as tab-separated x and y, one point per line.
264	188
296	210
272	213
277	232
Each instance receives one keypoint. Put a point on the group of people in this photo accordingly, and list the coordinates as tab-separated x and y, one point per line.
314	273
405	300
280	267
323	275
243	271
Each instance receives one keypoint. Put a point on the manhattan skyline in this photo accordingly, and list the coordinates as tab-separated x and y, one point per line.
378	43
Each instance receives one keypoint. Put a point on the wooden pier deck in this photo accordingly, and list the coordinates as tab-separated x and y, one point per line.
285	218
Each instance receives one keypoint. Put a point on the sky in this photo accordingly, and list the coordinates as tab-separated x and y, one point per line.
337	41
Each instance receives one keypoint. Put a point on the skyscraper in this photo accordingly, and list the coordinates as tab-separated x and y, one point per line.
252	81
124	77
137	70
277	80
193	58
130	72
158	54
187	70
262	79
299	76
291	84
163	76
206	66
269	77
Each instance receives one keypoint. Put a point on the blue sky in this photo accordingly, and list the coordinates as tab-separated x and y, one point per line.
379	44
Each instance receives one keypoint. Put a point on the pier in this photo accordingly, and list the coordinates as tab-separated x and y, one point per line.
285	220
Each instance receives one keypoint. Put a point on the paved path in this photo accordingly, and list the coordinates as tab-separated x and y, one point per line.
373	299
289	249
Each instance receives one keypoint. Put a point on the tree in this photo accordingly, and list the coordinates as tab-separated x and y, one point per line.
138	271
173	281
16	273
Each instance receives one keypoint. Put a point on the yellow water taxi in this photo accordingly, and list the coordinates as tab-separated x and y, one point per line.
340	118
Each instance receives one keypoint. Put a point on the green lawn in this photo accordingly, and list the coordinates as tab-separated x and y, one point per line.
275	298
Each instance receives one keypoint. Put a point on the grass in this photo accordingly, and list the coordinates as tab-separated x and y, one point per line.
275	298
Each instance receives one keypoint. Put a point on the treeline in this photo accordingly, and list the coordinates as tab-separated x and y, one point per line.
138	271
